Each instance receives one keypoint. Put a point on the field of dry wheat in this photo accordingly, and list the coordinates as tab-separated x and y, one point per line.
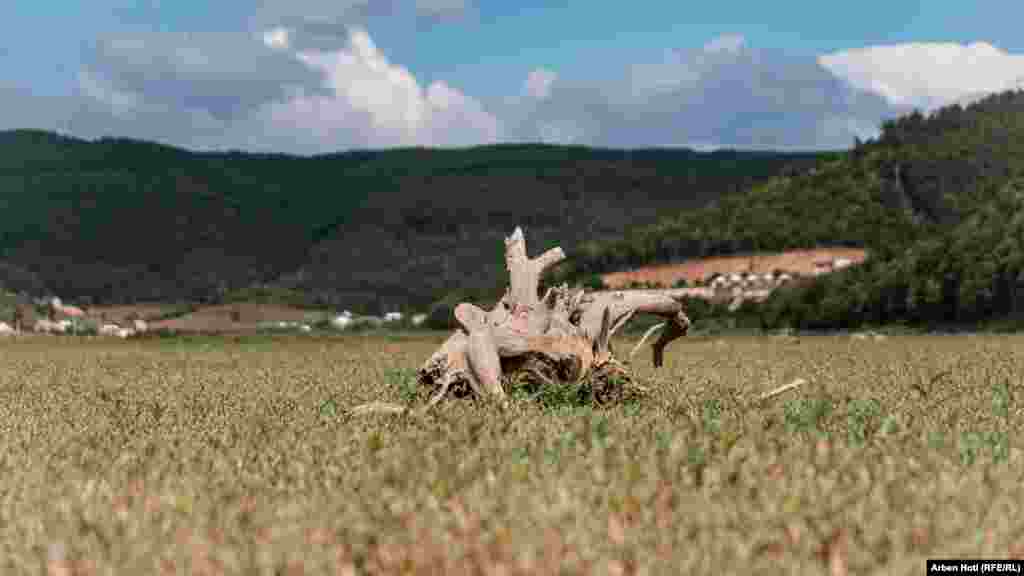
209	456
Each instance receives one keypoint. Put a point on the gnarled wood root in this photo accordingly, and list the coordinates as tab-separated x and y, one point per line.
562	338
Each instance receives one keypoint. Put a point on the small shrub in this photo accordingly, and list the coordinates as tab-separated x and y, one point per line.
85	327
973	444
861	418
806	414
593	282
558	395
404	381
711	415
441	316
1001	400
328	409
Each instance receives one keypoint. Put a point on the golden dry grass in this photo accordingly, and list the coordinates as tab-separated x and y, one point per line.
233	456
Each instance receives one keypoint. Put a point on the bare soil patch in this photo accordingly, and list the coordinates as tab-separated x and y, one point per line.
802	262
243	317
129	311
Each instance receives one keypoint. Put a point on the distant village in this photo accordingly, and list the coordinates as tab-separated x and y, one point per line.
53	316
737	279
699	279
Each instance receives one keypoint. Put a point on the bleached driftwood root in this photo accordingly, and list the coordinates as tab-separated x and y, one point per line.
782	389
561	338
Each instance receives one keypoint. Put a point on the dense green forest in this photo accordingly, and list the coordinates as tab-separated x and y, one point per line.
116	220
936	200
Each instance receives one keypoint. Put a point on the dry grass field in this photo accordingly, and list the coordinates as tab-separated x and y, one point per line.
229	455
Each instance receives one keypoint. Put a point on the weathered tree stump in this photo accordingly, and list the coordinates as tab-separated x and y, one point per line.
561	338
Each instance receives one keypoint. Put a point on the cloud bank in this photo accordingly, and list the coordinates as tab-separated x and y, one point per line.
326	24
382	104
259	93
928	75
723	94
279	89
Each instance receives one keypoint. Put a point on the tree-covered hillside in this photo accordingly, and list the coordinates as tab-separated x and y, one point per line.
118	220
935	200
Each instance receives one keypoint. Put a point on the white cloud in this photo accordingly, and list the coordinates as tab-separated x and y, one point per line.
277	38
121	103
225	74
676	70
559	133
725	43
928	75
721	94
372	102
324	24
538	83
701	146
682	68
272	92
836	128
263	94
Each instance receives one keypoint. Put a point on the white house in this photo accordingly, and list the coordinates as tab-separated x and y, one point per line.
47	326
58	307
109	330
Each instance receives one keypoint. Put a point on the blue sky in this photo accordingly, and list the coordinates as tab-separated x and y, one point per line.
357	73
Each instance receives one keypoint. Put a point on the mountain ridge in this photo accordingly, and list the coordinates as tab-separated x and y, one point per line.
117	220
935	199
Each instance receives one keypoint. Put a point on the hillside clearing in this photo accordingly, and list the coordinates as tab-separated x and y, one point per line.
801	262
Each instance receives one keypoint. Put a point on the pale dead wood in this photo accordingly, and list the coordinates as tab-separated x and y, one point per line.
782	389
524	273
563	337
646	335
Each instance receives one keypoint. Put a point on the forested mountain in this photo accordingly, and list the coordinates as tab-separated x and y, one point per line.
118	220
936	200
